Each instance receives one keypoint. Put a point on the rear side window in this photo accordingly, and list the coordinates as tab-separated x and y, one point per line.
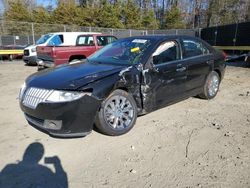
104	40
193	48
57	40
85	41
166	52
44	39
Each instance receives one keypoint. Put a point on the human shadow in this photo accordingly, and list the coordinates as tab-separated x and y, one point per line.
29	174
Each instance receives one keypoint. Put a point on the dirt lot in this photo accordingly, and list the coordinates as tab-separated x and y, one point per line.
194	143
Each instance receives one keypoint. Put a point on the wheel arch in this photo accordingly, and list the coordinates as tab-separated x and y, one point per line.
218	72
122	88
77	57
105	86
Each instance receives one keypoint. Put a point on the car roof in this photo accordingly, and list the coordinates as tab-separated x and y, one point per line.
163	37
74	33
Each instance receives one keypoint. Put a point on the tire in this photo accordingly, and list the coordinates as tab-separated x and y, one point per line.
248	64
248	61
211	86
10	57
118	114
40	68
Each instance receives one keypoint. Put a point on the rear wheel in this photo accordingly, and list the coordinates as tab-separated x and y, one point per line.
10	57
248	61
211	87
118	114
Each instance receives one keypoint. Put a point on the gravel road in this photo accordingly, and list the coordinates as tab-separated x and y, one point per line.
194	143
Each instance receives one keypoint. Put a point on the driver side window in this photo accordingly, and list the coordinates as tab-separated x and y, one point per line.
166	52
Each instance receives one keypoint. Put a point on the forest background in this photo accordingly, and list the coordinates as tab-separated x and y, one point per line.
129	14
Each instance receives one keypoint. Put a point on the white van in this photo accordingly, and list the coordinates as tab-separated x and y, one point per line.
51	39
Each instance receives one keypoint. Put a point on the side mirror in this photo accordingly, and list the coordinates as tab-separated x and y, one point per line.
151	66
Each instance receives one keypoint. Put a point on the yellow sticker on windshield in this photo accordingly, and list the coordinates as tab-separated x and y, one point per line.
135	49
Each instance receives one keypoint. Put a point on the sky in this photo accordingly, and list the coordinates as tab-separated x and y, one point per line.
44	3
1	7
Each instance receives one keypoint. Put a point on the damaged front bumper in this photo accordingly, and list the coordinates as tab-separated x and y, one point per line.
64	119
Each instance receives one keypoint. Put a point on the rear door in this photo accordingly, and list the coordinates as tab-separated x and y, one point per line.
199	60
165	82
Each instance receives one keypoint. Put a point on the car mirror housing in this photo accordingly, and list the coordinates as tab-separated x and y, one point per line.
150	65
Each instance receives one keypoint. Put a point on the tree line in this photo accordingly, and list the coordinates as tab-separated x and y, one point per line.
132	14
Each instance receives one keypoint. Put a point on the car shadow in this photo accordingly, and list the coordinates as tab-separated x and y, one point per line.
53	136
30	65
29	173
237	64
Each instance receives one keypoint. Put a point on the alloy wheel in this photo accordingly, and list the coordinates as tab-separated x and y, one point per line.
118	112
213	85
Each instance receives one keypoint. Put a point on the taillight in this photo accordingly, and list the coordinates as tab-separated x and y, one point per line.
53	52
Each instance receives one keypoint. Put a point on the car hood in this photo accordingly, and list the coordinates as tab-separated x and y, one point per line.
30	47
71	77
33	46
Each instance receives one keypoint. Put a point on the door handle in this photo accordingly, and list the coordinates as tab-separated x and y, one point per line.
209	62
181	69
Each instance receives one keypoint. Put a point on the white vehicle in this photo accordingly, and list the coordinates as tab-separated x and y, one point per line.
51	39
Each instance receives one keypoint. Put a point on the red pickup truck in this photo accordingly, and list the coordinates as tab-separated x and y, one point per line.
85	45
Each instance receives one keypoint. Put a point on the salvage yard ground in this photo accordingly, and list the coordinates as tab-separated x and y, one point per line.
194	143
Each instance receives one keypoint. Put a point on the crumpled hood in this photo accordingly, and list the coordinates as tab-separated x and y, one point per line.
71	76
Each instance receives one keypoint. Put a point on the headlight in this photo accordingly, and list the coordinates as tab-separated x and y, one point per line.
33	49
64	96
22	89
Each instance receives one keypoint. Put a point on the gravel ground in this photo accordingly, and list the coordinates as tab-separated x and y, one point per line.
194	143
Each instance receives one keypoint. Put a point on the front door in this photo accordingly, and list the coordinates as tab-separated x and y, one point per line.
164	82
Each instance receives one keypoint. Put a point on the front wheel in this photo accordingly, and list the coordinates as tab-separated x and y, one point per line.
248	61
117	114
211	86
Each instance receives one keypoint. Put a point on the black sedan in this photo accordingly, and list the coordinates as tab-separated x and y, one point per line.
127	78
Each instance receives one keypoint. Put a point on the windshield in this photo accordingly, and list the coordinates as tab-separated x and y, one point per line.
126	51
43	39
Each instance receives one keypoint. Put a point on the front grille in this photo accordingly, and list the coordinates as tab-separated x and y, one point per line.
26	52
34	96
